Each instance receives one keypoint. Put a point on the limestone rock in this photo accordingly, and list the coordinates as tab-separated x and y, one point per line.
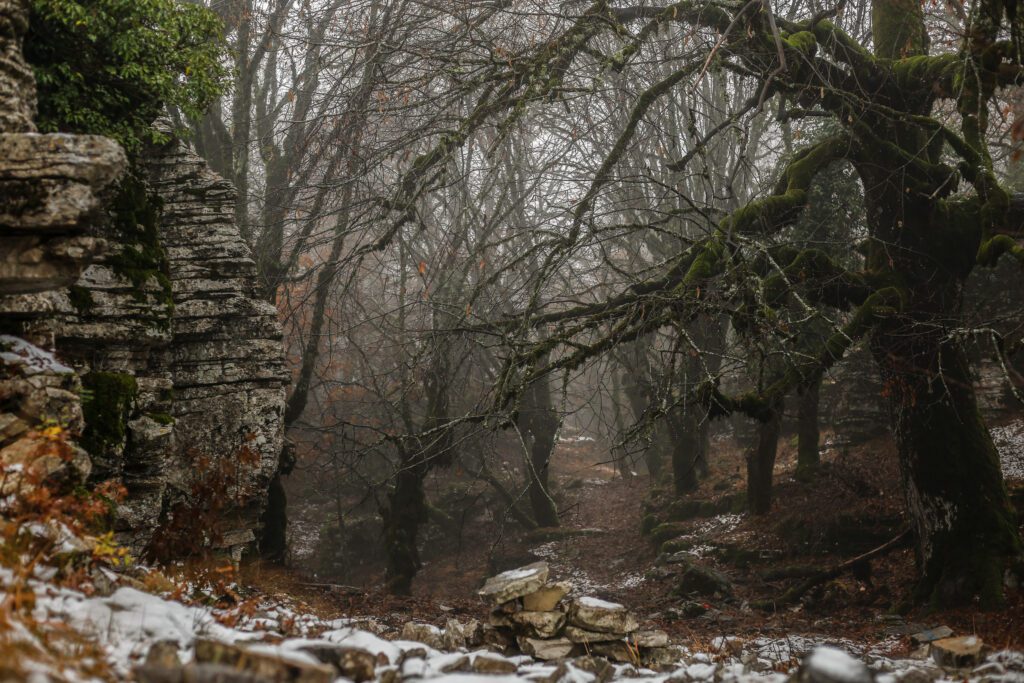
649	638
515	583
539	624
260	664
429	635
931	634
617	651
353	663
546	598
17	84
580	635
830	665
602	670
493	664
557	648
701	580
957	652
599	615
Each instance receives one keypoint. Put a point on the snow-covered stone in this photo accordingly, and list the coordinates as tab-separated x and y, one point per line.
594	614
515	583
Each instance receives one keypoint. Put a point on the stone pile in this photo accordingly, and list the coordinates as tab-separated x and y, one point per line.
544	619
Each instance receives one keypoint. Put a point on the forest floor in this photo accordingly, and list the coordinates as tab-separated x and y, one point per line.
852	506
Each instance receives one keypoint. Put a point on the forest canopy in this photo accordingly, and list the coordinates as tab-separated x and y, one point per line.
110	67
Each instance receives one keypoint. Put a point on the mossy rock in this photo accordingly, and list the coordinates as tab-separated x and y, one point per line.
656	499
667	531
648	523
737	556
142	260
737	503
107	406
701	580
675	545
81	298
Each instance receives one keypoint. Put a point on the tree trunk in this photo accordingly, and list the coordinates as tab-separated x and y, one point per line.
761	463
539	425
686	433
406	511
808	435
966	529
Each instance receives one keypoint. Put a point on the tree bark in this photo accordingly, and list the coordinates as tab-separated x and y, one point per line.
966	529
406	511
685	431
808	434
761	463
539	425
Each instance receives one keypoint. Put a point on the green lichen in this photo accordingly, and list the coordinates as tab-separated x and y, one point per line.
161	418
142	260
108	403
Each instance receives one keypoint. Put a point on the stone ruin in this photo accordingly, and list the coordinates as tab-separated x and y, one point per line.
150	311
543	619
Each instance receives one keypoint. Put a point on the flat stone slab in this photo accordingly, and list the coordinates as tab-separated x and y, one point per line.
930	635
559	648
547	598
582	635
515	583
594	614
651	638
540	624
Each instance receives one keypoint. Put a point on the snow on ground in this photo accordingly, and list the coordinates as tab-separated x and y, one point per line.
128	622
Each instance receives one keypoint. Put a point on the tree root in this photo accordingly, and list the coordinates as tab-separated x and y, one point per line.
820	577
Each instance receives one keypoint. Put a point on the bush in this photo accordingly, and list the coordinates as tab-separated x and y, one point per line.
109	67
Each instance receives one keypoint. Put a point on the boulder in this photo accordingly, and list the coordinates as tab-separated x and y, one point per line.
957	652
515	583
557	648
831	665
547	598
701	580
594	614
539	624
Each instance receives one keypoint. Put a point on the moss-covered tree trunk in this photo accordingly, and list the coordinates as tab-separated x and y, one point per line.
966	529
965	526
808	432
761	463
